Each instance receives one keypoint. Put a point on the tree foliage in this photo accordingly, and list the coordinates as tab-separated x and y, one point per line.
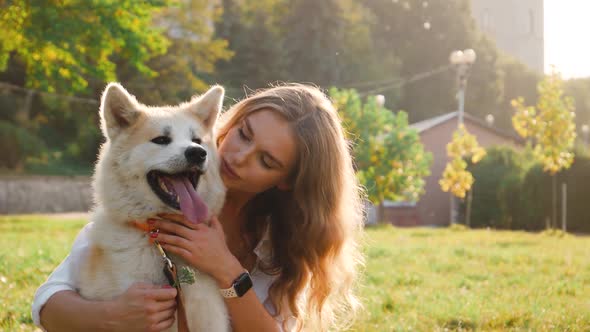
422	34
63	43
390	159
456	178
550	124
191	59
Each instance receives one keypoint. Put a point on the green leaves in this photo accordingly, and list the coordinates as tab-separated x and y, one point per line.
62	45
550	125
390	160
186	275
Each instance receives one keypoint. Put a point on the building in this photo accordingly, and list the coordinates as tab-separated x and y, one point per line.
517	27
433	208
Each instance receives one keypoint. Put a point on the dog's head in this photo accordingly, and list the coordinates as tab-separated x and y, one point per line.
159	159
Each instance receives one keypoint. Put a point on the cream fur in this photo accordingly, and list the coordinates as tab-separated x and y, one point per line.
120	255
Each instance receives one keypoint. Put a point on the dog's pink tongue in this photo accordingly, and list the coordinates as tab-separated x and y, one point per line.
191	205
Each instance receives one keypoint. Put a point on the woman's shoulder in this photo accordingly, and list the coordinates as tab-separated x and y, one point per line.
83	237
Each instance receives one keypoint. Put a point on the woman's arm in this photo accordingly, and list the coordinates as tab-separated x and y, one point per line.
142	307
204	248
247	312
58	307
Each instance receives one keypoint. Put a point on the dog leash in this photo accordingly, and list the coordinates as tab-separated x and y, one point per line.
171	274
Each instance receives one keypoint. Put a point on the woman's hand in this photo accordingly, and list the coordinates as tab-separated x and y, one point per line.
143	307
201	246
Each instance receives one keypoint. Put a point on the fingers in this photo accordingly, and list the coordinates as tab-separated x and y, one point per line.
174	240
162	294
163	325
164	315
215	224
173	228
183	253
166	305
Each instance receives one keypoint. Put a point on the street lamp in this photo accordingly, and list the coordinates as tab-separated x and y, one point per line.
462	60
380	99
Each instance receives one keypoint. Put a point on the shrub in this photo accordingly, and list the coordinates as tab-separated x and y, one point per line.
496	191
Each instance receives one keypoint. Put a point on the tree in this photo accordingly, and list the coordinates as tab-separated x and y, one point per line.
390	160
314	41
422	34
456	178
191	59
253	32
63	44
550	125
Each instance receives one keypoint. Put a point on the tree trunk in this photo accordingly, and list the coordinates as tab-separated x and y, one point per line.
554	202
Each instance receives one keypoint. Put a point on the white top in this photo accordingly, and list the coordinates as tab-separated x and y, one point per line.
63	278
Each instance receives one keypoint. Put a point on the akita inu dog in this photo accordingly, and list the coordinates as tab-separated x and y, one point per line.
155	159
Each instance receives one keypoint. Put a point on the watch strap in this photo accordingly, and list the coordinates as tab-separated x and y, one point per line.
228	293
239	286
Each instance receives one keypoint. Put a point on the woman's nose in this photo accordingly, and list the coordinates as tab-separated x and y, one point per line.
242	156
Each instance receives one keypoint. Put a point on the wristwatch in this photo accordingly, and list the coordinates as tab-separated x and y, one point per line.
239	286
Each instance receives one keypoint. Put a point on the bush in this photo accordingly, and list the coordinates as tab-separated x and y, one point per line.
512	193
496	190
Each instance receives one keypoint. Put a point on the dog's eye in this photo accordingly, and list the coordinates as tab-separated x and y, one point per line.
162	140
197	140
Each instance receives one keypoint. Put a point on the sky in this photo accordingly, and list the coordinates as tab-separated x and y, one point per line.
567	37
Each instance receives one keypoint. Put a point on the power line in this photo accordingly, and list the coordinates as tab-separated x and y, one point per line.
32	91
399	83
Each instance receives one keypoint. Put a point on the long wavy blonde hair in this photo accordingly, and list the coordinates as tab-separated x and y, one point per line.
315	226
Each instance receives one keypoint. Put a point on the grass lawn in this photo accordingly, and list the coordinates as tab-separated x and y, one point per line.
415	280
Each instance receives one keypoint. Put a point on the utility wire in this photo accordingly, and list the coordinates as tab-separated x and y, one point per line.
29	91
399	83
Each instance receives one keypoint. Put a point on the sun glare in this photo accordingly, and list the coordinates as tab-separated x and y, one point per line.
566	37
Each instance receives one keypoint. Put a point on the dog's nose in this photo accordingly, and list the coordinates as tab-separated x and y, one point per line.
195	155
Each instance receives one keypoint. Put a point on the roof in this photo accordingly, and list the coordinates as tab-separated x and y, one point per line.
427	124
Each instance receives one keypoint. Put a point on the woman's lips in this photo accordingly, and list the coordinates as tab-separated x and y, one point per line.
226	168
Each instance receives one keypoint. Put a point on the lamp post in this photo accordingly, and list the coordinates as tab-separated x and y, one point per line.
462	60
380	99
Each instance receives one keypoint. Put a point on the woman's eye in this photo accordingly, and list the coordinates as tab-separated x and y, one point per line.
242	134
197	140
162	140
264	163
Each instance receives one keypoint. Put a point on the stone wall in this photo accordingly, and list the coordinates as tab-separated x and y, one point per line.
45	194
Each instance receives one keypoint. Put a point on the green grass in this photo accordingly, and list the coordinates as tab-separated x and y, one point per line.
415	280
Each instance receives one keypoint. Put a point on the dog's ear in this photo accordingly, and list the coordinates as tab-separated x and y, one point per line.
207	107
118	110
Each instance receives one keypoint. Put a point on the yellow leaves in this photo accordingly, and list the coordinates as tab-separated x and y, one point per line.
550	124
464	144
64	72
456	178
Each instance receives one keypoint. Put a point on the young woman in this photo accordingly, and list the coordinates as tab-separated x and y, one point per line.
292	217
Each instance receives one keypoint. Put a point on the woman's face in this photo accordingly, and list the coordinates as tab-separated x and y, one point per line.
258	153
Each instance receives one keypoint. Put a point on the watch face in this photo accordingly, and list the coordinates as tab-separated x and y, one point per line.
243	284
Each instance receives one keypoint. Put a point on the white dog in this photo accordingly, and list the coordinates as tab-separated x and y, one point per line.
155	159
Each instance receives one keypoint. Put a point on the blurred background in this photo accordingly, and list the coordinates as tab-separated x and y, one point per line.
388	60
